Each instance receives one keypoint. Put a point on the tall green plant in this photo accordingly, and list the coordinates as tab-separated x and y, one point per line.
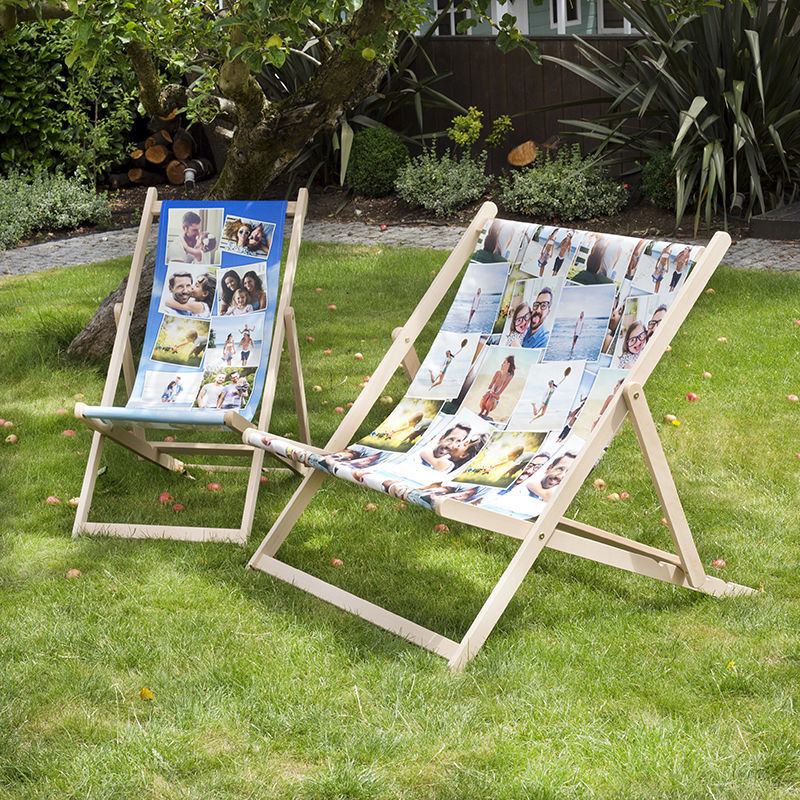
723	88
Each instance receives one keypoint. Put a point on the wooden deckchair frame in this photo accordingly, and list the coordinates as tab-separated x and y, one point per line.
163	453
682	567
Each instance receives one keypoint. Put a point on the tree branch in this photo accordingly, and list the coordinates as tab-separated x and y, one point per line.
158	100
10	16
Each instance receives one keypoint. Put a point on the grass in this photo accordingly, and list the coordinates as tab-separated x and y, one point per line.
595	684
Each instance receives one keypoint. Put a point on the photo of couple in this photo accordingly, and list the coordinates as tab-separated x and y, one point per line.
188	291
551	252
181	341
247	237
227	389
529	321
193	236
452	443
242	290
235	341
639	322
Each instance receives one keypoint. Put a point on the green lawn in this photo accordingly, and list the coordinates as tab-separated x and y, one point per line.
596	683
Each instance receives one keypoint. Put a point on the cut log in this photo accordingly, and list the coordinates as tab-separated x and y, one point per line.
183	145
143	177
157	154
169	123
197	169
159	137
175	172
118	180
523	154
137	157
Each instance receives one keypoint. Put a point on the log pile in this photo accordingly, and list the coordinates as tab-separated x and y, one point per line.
168	155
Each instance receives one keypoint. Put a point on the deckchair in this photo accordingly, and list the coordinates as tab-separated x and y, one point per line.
544	353
210	345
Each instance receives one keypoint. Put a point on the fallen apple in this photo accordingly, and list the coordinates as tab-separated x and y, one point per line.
337	562
707	375
213	486
370	507
74	502
339	410
722	339
711	291
387	400
8	423
316	388
178	507
441	528
12	438
384	228
52	500
792	398
318	290
69	432
624	495
2	422
613	496
310	339
164	498
263	479
599	483
349	403
664	521
669	418
719	563
797	322
359	357
692	397
327	351
73	573
332	307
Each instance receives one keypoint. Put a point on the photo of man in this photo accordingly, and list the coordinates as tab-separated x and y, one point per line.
193	235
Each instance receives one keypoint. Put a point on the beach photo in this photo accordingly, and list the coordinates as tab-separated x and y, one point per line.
241	290
404	426
226	389
552	252
530	312
581	323
193	235
189	290
445	367
167	388
502	460
606	258
666	268
235	342
247	237
181	340
604	389
477	301
547	396
499	382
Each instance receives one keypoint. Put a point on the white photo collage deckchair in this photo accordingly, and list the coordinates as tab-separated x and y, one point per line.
543	353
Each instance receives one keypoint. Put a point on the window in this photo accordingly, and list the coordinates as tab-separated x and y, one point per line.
572	10
610	19
449	22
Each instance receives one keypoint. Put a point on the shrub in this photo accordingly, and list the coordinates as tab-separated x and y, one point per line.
376	158
46	203
54	118
567	186
658	180
443	183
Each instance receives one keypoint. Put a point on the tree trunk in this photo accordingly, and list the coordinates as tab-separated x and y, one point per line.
96	340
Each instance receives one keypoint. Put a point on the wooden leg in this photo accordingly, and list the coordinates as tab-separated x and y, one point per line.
290	514
89	481
411	361
293	346
251	496
656	460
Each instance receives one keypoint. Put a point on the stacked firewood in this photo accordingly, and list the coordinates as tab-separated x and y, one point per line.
169	154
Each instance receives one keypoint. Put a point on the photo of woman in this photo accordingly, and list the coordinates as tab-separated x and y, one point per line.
497	386
520	320
247	237
230	283
228	350
242	288
254	287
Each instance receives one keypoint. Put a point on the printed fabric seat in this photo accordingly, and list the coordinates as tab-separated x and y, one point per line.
546	326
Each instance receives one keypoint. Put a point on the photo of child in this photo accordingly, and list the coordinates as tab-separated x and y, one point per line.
193	236
529	320
445	367
235	342
247	237
502	460
581	323
547	396
477	301
181	341
169	388
226	389
241	290
188	290
403	428
499	382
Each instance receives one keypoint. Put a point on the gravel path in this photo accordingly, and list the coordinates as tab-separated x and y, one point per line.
783	256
